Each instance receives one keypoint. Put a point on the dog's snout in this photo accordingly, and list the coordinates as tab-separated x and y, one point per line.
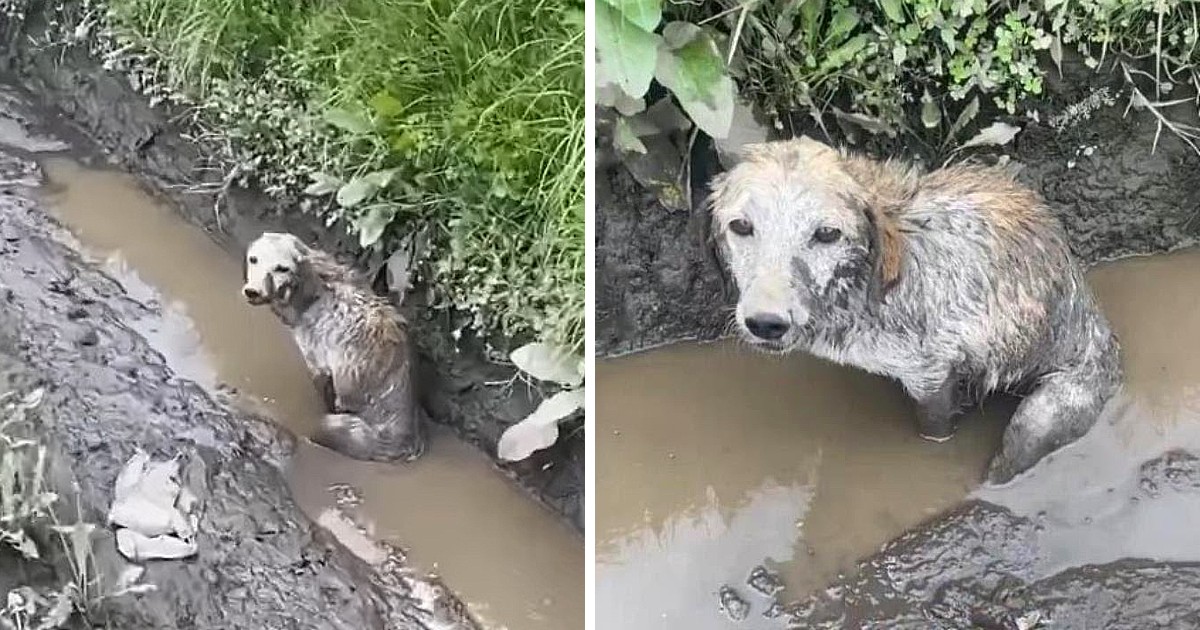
251	293
767	326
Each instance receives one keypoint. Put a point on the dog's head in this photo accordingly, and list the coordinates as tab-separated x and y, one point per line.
799	241
274	265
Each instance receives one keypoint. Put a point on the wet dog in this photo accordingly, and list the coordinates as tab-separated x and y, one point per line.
956	283
354	342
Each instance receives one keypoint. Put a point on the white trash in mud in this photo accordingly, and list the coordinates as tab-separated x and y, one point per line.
157	517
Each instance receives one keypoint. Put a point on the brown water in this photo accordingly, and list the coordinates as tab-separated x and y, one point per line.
514	564
714	458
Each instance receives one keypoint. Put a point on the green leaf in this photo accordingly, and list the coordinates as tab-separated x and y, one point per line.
810	18
613	96
843	22
356	191
625	140
893	10
385	105
373	222
546	362
347	121
323	184
692	68
540	428
644	14
931	114
844	53
625	54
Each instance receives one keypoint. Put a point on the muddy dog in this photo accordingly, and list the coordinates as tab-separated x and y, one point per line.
956	283
354	342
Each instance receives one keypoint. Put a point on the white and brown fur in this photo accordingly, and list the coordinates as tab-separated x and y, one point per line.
354	342
956	283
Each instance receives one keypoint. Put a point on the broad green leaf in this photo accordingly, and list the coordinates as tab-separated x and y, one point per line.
355	192
841	55
385	105
540	428
547	363
695	73
644	14
931	113
373	222
842	23
744	131
348	121
893	10
323	184
625	54
625	140
810	19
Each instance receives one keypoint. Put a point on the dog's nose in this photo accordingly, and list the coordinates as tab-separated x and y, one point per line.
767	326
251	293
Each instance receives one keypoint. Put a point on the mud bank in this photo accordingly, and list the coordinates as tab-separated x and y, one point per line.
1117	198
64	326
151	143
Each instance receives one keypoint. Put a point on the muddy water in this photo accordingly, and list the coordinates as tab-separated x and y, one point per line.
515	565
712	458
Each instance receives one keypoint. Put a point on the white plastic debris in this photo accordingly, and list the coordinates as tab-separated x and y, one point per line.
156	516
137	547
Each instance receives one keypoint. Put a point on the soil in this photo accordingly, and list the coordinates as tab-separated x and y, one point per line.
150	142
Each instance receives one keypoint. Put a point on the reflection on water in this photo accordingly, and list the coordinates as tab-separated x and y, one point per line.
693	553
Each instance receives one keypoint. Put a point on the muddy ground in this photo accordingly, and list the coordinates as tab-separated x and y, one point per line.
64	326
152	143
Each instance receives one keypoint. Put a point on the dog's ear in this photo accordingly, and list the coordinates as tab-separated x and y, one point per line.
885	246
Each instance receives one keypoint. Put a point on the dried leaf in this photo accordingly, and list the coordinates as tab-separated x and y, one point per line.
540	429
997	133
547	363
931	114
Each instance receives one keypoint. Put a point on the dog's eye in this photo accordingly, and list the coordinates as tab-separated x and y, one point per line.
253	260
826	235
281	269
741	227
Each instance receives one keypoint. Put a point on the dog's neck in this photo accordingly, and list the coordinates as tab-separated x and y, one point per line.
291	310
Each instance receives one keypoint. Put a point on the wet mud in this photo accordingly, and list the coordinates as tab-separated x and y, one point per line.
713	460
513	563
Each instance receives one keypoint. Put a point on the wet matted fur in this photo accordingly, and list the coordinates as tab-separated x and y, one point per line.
354	342
956	283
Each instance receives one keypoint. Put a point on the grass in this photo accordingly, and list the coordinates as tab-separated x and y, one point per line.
915	66
474	109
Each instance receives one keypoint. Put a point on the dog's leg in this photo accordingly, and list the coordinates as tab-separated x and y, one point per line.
938	406
323	381
1063	407
350	435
